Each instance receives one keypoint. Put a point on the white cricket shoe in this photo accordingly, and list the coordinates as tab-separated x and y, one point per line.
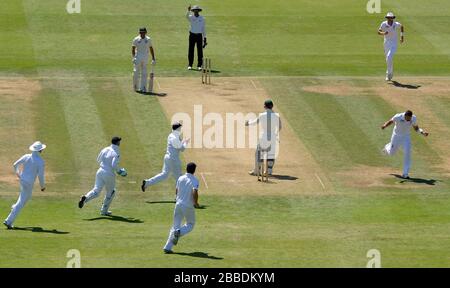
199	68
189	67
107	213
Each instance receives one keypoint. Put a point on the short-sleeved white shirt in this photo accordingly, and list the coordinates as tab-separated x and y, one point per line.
403	127
142	46
185	185
392	36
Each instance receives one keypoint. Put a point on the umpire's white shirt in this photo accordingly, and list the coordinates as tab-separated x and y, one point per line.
391	38
109	159
403	127
185	186
33	166
142	46
197	24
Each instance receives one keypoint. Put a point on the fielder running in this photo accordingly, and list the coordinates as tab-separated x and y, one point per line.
32	166
401	137
389	29
142	44
270	127
186	202
172	163
108	159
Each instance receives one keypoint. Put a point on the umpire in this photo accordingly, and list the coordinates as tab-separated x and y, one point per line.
197	35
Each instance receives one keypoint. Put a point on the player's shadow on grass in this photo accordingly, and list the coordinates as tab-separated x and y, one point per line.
160	202
40	230
430	182
407	86
283	177
117	218
198	255
212	71
153	94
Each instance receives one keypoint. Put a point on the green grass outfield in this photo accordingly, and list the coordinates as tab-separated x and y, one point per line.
82	63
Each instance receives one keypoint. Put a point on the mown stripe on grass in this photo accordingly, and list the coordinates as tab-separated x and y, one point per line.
85	132
116	119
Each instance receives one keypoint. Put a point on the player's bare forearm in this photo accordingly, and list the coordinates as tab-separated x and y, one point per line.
380	32
402	37
387	124
133	51
421	131
152	52
195	196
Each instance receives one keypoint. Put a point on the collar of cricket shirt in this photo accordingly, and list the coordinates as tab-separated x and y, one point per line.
176	133
115	147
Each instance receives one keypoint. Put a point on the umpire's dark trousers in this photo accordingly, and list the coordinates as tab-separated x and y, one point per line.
195	38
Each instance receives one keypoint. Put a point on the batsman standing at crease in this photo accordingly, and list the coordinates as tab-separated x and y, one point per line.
197	35
32	166
141	46
270	126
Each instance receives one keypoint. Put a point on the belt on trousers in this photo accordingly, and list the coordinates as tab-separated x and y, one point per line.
195	33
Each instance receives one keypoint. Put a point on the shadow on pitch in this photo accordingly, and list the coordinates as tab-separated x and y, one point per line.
406	86
198	255
160	202
284	177
39	230
152	94
431	182
116	218
212	71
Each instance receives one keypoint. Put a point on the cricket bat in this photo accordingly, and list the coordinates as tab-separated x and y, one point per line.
151	79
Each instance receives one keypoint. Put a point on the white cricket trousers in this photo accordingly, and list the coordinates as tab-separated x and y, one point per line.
398	141
170	166
26	190
140	69
181	212
105	179
389	52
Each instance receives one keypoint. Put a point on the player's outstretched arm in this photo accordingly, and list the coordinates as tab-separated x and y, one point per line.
421	131
387	124
402	37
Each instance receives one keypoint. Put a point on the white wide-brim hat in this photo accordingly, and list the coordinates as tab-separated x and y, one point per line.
37	146
196	7
390	15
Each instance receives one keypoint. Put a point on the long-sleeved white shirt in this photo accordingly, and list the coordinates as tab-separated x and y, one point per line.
32	166
269	126
175	145
197	24
109	158
392	36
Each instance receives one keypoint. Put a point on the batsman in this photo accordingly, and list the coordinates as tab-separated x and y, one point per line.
269	124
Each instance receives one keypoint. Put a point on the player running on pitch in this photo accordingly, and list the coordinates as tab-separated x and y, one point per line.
172	163
142	45
389	29
32	166
108	159
401	137
270	126
186	202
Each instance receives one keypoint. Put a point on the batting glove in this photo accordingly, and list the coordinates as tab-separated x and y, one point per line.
122	172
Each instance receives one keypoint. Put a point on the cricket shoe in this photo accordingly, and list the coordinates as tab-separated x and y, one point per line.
107	213
405	176
143	186
189	67
167	251
82	201
252	173
9	227
176	236
199	68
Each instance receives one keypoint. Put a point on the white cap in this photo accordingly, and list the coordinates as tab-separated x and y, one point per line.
390	15
37	146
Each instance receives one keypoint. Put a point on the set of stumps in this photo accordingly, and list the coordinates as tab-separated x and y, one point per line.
206	71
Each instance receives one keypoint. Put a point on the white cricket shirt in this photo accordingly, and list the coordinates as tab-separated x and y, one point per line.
109	158
142	46
185	186
392	36
33	166
403	127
